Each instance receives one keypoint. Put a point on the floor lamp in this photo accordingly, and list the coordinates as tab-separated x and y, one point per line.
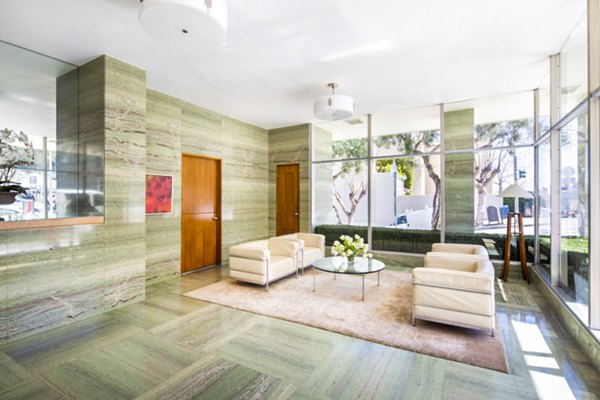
514	226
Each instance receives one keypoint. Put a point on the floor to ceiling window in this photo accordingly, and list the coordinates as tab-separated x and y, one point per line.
406	180
574	213
487	148
340	173
437	173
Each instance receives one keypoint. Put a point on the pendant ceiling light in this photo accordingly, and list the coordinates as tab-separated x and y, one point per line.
334	106
185	24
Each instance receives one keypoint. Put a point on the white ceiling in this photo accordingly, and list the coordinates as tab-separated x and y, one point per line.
280	54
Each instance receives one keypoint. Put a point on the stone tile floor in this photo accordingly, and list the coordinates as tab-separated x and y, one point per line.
170	346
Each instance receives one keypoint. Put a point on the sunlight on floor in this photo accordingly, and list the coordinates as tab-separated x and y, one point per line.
541	362
548	384
530	338
502	290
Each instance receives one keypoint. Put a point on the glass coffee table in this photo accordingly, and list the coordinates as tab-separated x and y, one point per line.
340	265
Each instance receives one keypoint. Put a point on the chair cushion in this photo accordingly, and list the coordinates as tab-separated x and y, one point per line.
312	254
460	280
459	248
258	249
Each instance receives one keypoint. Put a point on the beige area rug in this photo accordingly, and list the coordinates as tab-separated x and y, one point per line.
384	317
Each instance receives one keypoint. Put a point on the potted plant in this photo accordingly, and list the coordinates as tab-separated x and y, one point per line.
16	150
349	247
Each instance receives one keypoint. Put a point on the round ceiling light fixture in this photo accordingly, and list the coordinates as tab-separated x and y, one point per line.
333	107
185	23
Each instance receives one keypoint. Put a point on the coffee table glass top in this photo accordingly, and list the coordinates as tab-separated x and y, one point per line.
340	265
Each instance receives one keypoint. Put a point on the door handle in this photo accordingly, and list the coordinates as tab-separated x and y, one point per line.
215	218
296	214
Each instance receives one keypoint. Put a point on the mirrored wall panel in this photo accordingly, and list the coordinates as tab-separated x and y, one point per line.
50	167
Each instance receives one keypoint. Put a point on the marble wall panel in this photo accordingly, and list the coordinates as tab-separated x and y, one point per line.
163	157
125	185
242	149
459	133
201	131
458	172
53	286
290	145
245	183
3	284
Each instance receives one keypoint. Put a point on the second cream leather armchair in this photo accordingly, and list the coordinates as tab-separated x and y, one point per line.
312	247
455	291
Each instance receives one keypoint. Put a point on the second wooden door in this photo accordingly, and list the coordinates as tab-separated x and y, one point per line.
200	212
288	199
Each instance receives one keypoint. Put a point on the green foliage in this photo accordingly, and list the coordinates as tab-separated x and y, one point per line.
409	143
503	133
350	148
405	168
420	241
575	244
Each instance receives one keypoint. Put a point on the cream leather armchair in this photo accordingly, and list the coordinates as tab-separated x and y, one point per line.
455	291
312	247
263	261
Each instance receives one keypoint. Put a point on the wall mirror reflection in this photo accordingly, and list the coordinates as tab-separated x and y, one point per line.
49	166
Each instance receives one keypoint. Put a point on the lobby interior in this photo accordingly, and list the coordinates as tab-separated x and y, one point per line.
94	308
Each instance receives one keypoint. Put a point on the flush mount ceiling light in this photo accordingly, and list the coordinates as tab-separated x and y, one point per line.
334	106
185	23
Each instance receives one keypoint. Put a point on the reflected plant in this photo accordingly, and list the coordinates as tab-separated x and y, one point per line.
16	150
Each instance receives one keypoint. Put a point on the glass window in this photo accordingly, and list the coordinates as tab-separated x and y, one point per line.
574	214
340	140
544	204
406	189
573	68
415	131
406	203
496	121
340	193
493	172
502	121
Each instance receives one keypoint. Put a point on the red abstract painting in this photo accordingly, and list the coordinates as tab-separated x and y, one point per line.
159	194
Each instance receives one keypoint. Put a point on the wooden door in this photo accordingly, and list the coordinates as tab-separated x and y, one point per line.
288	199
200	212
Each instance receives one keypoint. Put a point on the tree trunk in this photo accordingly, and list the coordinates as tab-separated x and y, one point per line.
435	216
482	193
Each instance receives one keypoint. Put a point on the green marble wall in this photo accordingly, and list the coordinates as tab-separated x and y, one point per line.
458	173
243	150
290	145
54	276
175	127
245	207
163	157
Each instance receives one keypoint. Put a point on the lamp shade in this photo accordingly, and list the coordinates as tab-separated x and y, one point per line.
515	190
334	107
185	24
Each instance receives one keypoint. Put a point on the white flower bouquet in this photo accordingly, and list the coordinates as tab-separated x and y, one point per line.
349	247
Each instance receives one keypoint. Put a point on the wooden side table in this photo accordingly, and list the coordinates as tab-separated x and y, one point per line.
510	221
